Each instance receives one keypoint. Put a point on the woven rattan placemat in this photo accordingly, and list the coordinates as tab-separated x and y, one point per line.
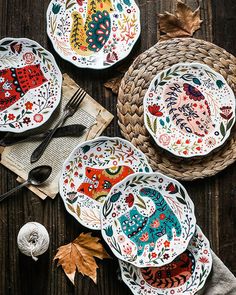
130	104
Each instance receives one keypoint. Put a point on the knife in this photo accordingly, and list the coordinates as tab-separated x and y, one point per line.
69	130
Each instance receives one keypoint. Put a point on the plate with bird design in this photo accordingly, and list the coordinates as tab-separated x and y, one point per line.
189	109
148	219
90	172
186	274
30	84
93	34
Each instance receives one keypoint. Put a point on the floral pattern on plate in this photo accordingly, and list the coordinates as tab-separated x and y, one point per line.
189	109
90	172
148	219
93	34
187	274
30	85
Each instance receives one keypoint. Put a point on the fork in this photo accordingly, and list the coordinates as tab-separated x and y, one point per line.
68	111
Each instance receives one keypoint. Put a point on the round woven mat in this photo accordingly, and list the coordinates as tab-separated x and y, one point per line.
130	105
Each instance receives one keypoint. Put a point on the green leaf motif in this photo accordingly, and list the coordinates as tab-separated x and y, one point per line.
219	83
222	129
6	42
155	126
3	49
149	122
181	201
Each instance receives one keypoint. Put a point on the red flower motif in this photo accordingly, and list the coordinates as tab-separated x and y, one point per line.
76	173
154	255
11	117
171	188
144	237
29	58
67	167
130	200
167	244
162	216
66	181
155	110
28	105
16	47
226	112
203	260
38	118
26	120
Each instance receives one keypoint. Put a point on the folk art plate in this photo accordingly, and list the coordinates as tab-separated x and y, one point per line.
189	109
186	275
30	84
148	219
93	34
90	172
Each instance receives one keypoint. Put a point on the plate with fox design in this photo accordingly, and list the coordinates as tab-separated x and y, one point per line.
30	85
186	274
93	34
90	172
189	109
148	219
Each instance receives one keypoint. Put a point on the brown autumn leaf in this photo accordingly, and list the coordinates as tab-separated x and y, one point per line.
79	254
114	84
181	24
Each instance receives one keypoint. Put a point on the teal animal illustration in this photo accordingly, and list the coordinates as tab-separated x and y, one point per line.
146	230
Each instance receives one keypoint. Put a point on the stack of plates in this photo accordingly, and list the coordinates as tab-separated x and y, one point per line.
146	218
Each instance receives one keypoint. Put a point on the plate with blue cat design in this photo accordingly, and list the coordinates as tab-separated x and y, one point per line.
186	274
189	109
90	172
30	85
148	219
93	34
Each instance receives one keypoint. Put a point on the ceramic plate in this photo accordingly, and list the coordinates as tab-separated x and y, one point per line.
93	34
185	275
30	85
90	172
189	109
148	219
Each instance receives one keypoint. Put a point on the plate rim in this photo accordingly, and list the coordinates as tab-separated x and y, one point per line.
153	135
92	67
59	76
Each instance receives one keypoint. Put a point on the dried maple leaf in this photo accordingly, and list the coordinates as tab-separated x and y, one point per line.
79	255
114	84
181	24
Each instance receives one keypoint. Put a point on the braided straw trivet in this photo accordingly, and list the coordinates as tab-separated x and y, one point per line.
130	104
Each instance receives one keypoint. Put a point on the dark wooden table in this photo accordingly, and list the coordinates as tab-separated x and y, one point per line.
214	198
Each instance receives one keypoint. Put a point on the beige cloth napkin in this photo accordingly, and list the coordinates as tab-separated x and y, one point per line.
221	281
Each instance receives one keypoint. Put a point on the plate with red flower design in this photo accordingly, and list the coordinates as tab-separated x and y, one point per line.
148	219
189	109
186	274
93	34
90	172
30	85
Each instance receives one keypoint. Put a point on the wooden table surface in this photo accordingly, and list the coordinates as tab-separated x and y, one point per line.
214	198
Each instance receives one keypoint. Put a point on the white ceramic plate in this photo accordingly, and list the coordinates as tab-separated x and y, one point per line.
90	172
93	34
185	275
148	219
189	109
30	85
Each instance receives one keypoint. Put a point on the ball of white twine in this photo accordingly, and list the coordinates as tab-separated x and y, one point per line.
33	239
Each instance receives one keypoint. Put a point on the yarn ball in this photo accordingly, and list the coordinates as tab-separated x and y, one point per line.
33	239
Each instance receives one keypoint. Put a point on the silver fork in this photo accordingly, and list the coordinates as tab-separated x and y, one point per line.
68	111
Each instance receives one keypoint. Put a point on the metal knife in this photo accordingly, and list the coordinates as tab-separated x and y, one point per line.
69	130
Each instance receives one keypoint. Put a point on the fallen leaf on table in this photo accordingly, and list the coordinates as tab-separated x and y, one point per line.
181	24
79	255
114	84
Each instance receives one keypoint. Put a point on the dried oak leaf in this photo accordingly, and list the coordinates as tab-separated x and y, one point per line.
114	84
181	24
79	254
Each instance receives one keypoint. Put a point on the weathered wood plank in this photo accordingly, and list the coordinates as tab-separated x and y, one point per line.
214	198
